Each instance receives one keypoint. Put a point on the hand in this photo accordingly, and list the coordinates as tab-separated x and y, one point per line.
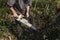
15	15
27	14
21	16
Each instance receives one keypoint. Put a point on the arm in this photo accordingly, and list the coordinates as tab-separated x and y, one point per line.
28	9
13	11
10	4
29	2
